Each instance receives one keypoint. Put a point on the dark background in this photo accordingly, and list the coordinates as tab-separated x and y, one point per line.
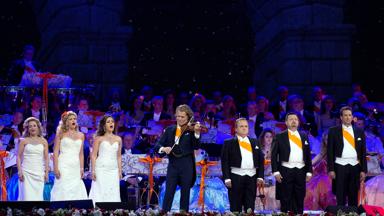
201	45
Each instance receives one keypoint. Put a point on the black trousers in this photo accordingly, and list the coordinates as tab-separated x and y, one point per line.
242	193
180	172
292	190
347	183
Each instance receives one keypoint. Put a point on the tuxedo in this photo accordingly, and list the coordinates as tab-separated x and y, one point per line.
16	71
10	130
346	173
243	190
148	116
291	191
279	109
28	114
181	167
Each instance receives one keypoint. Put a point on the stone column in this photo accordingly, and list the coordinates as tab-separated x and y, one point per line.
86	40
301	44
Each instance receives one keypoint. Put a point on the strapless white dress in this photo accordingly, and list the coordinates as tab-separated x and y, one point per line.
106	188
69	186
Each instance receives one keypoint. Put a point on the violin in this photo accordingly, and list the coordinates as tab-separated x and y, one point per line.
191	127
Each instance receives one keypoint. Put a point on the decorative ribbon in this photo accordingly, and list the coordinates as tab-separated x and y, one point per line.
349	138
151	161
295	140
3	178
204	168
46	77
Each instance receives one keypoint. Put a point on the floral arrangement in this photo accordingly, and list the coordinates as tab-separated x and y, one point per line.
139	212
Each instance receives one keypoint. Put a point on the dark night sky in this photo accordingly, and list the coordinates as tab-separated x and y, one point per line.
201	45
192	46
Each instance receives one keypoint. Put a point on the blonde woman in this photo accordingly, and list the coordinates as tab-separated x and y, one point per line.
32	161
106	163
68	157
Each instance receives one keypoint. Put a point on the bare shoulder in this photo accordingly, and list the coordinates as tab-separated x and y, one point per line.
81	135
97	139
118	138
44	141
23	141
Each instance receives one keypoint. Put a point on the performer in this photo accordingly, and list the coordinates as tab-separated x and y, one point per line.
346	157
179	143
265	143
106	163
24	65
68	160
32	161
242	162
291	165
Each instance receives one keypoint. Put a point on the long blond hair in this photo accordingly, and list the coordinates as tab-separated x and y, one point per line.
63	127
25	127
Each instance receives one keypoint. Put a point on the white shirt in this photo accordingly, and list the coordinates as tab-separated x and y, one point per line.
296	155
129	151
29	64
295	159
156	116
283	105
349	154
317	104
247	166
16	128
35	114
253	118
251	123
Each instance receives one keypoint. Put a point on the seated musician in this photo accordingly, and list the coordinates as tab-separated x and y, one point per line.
157	114
35	110
128	180
229	109
13	131
24	65
373	142
85	121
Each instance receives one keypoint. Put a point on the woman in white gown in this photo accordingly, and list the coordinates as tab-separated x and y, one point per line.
68	157
106	163
32	162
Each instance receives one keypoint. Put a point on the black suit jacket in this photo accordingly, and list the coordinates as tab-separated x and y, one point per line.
275	109
149	116
231	157
335	146
7	130
16	71
281	150
28	114
187	142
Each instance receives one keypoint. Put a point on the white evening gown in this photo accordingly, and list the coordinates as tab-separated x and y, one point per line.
106	188
69	186
32	188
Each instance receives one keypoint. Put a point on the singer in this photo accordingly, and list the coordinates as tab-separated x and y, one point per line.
179	142
242	164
